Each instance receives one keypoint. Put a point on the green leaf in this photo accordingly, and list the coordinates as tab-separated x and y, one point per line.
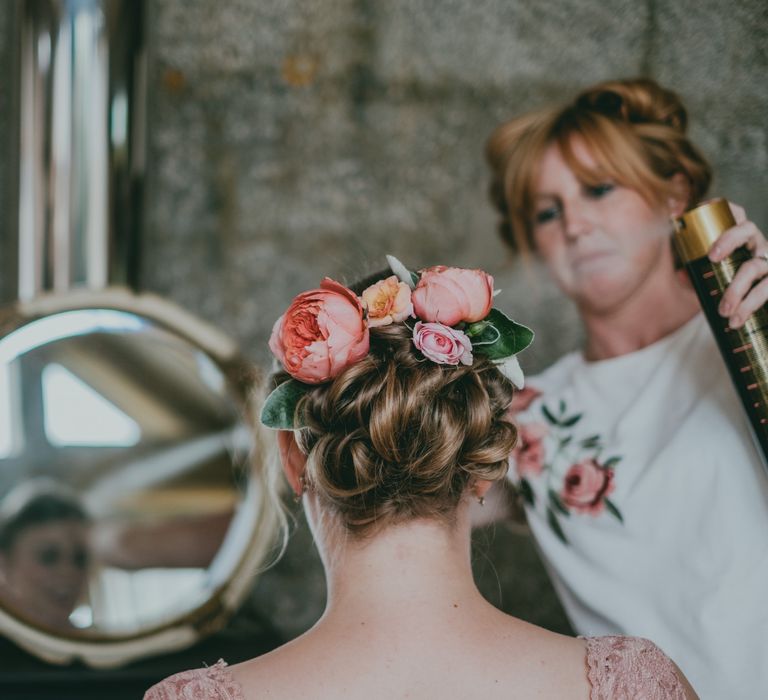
483	331
591	441
613	510
566	440
526	492
497	336
558	505
548	415
279	410
562	406
568	422
611	462
555	525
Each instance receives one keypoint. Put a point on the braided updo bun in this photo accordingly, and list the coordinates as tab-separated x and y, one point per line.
638	101
635	130
395	437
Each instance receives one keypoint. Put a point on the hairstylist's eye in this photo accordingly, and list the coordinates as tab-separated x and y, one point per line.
600	190
542	216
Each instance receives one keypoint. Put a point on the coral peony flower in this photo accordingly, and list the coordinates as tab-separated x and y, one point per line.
528	452
388	301
450	295
322	332
586	486
442	344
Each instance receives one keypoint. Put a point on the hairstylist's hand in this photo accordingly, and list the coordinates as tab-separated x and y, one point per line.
749	289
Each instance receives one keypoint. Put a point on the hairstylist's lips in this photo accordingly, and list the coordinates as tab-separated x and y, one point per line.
586	261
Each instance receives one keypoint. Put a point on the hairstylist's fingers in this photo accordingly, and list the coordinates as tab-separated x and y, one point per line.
743	234
750	272
756	298
738	212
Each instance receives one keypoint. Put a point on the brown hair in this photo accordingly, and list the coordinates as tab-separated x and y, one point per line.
635	130
397	437
37	502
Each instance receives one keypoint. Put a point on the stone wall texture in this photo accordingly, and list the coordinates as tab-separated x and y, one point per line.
291	139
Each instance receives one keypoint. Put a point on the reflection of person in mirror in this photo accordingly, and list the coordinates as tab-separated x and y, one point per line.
641	484
402	424
44	553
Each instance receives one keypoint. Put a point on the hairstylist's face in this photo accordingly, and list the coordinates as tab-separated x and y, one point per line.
601	243
46	570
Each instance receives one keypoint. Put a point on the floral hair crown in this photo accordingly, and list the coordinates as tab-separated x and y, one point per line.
326	330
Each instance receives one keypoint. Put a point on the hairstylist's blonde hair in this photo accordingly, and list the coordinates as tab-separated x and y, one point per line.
634	129
395	437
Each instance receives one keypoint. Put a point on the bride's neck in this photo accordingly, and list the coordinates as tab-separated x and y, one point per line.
421	566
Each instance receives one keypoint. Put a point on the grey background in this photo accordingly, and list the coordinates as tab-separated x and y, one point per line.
258	185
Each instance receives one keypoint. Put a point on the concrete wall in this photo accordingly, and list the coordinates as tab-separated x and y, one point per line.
291	139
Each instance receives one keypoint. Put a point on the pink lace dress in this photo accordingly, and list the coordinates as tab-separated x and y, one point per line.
618	668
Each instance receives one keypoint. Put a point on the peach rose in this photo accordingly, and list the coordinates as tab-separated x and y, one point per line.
322	332
586	485
528	452
442	344
388	301
450	295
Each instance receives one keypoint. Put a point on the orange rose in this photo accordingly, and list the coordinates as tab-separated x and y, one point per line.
388	301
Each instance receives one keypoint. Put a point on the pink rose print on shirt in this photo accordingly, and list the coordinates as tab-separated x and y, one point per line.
586	485
564	464
522	399
529	450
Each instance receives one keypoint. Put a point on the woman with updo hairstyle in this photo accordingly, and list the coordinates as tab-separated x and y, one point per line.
392	411
635	132
641	484
364	464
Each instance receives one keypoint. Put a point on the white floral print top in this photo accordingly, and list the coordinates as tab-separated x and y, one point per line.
649	505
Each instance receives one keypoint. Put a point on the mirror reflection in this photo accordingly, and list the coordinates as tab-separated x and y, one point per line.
123	479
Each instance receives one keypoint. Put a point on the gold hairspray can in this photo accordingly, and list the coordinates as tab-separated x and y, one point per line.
745	349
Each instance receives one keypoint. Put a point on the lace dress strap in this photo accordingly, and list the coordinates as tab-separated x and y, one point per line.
210	683
631	668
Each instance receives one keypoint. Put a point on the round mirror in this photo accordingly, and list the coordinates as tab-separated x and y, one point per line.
133	514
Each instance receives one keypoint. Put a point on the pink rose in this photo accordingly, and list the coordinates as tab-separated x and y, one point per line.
450	295
388	301
529	450
522	399
586	486
442	344
322	332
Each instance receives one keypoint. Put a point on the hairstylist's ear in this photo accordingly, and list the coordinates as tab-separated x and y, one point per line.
680	192
293	459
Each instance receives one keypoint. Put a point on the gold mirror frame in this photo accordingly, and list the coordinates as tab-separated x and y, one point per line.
105	651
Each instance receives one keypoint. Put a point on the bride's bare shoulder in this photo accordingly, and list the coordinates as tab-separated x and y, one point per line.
278	671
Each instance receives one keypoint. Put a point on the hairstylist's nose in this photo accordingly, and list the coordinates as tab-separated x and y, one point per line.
575	220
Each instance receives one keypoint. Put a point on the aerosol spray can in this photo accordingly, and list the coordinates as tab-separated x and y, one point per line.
745	350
